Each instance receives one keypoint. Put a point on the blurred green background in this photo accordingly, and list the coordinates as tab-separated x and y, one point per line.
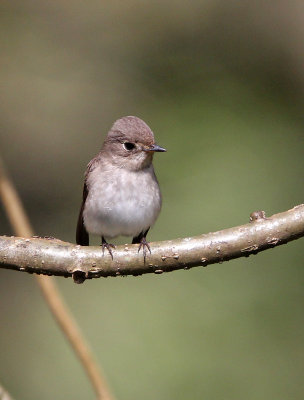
221	83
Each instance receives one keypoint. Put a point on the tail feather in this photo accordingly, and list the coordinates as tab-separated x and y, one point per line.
82	236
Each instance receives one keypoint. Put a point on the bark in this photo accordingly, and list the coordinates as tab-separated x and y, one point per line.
53	257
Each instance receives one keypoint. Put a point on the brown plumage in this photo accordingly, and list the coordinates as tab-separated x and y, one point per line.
121	194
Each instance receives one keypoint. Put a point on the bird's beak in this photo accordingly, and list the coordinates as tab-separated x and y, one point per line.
155	147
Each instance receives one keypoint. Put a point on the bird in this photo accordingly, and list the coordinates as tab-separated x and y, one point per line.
121	194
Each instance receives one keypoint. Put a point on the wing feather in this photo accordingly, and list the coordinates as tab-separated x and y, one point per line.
82	236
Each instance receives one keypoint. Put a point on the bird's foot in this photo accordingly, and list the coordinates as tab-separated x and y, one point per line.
144	245
108	246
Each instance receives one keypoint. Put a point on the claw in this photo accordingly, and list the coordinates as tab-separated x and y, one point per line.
108	246
144	244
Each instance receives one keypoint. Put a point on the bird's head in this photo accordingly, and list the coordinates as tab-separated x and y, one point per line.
130	144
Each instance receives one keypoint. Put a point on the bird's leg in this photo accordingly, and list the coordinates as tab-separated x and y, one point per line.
141	239
106	245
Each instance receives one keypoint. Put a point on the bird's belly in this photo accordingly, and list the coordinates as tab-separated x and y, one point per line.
120	209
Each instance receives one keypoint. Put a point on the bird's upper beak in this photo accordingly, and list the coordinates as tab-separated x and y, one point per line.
154	147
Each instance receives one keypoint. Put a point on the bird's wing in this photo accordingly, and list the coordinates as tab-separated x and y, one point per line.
82	236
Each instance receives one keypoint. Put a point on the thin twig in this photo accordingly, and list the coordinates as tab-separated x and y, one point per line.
55	257
4	395
22	227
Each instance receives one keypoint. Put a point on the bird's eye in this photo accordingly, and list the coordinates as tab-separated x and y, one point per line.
129	146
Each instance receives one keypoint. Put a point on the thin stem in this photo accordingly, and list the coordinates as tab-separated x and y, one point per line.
21	225
4	395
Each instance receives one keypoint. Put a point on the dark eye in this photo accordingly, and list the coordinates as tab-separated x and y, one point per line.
129	146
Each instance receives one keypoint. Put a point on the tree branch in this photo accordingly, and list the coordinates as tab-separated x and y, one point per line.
54	257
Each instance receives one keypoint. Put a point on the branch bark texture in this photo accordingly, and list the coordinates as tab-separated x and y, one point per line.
54	257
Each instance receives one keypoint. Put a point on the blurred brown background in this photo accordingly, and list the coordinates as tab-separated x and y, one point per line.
221	83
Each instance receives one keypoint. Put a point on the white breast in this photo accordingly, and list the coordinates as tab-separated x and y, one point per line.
121	202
